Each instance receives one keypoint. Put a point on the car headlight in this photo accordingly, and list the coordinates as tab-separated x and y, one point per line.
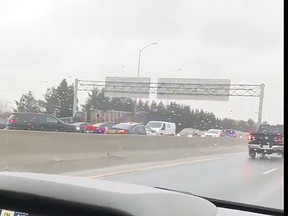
178	134
189	135
77	128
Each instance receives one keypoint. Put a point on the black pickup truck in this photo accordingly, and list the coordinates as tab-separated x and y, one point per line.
268	139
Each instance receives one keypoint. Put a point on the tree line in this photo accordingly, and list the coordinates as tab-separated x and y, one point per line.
59	101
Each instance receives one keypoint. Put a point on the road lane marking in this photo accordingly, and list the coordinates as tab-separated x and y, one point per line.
162	166
269	171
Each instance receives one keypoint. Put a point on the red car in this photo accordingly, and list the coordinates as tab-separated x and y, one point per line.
99	128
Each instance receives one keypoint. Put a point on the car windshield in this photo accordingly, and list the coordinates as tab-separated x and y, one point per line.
155	124
205	76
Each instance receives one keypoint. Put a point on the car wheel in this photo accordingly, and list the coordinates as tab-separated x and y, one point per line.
252	154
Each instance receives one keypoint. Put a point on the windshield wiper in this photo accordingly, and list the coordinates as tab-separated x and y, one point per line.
234	205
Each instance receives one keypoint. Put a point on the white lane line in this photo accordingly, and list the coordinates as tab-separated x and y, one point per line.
162	166
269	171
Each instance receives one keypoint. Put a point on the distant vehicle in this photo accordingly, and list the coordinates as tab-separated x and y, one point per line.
99	128
212	133
162	128
81	126
150	131
268	139
2	124
128	128
230	133
37	122
189	132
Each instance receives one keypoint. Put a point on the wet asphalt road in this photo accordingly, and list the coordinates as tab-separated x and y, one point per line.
234	178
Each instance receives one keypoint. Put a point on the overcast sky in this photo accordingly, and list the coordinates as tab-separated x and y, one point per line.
42	42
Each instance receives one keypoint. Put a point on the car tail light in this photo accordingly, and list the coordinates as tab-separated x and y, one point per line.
92	128
251	137
279	139
123	131
12	121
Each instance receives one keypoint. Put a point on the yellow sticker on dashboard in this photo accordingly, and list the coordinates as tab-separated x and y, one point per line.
7	213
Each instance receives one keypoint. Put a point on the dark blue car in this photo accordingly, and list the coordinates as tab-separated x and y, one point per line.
230	133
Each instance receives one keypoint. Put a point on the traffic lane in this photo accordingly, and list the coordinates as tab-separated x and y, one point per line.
236	178
77	162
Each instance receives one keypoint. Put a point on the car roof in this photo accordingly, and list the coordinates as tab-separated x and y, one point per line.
31	113
127	125
79	123
162	122
103	123
215	129
130	123
229	130
190	129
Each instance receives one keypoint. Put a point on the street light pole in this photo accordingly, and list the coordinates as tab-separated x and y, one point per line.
138	71
139	60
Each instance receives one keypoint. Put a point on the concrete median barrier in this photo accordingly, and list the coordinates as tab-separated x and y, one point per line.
43	151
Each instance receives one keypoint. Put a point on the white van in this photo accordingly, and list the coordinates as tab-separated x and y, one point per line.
162	128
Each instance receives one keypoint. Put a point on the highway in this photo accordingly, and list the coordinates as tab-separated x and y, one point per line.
216	168
230	177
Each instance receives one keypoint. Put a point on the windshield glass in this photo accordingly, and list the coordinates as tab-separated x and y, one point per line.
155	124
175	66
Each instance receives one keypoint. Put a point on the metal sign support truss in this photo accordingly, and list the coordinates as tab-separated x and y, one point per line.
242	90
